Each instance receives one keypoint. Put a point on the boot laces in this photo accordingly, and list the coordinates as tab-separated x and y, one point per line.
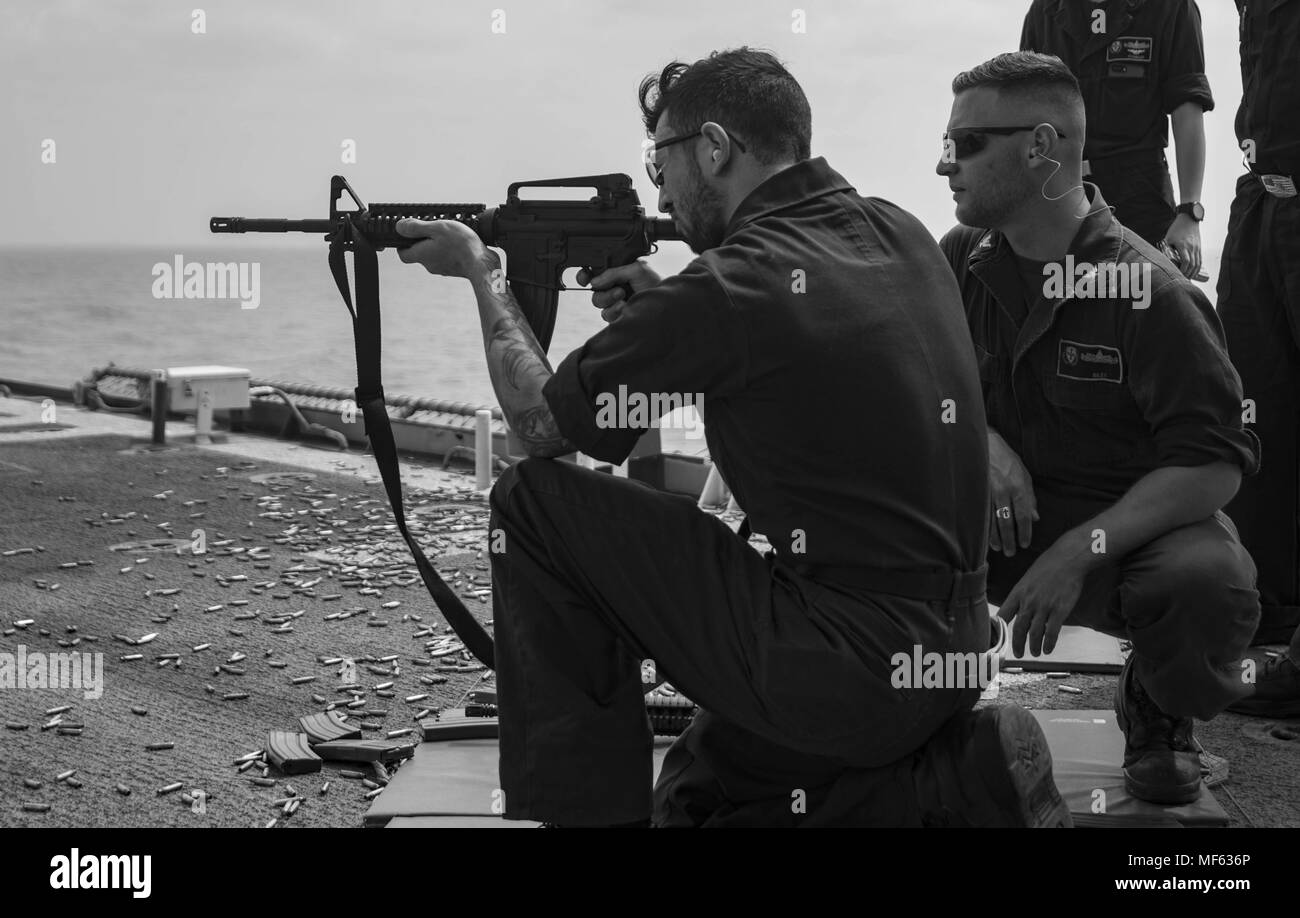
1158	726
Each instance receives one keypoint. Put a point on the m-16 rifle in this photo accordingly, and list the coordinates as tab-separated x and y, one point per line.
541	238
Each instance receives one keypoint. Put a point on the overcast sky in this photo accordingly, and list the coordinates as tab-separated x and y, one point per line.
157	128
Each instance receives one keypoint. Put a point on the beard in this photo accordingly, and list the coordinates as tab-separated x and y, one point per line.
993	206
698	214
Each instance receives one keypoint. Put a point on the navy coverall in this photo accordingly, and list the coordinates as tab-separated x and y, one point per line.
1259	303
1093	393
1148	60
843	408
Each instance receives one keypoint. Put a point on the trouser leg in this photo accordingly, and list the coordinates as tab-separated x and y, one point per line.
1259	305
599	572
1142	195
844	758
718	775
1186	601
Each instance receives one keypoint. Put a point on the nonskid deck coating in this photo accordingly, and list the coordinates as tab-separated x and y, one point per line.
97	461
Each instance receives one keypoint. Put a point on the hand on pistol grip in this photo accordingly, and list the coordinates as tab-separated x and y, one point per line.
613	287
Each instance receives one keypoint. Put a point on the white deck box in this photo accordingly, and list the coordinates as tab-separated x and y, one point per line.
204	390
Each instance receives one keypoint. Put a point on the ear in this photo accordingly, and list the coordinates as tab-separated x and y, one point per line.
718	144
1046	143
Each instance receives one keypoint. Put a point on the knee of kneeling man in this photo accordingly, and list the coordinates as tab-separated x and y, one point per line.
1219	579
523	474
505	484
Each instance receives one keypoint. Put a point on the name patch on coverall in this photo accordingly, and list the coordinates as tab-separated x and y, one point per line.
1089	362
1127	57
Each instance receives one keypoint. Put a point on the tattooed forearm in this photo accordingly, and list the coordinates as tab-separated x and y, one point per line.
536	428
517	365
520	353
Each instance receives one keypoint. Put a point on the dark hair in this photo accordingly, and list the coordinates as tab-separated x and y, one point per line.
744	90
1023	72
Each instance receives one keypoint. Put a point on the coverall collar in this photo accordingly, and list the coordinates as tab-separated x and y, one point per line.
1098	241
811	178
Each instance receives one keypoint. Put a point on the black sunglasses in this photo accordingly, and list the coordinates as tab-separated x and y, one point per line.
656	171
966	142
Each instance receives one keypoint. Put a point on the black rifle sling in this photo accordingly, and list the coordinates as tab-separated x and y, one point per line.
370	399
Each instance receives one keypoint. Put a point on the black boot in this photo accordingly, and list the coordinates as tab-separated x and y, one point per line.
1161	764
989	767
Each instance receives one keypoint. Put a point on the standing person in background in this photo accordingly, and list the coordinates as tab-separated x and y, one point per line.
1140	64
1259	304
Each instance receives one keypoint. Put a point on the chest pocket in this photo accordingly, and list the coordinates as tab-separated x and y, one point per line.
1097	422
1127	95
1089	395
1130	57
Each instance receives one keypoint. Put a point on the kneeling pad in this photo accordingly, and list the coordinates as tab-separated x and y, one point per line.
455	782
1088	765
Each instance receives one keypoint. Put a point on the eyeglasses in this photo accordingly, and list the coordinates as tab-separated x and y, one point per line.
962	143
649	149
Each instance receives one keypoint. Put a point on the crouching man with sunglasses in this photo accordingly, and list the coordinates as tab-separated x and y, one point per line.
842	401
1114	413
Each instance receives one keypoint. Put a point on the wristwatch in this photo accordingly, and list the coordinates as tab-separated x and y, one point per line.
1193	210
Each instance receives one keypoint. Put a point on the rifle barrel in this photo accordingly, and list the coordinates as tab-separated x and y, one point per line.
271	225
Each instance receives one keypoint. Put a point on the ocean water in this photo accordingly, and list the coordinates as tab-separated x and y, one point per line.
66	310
